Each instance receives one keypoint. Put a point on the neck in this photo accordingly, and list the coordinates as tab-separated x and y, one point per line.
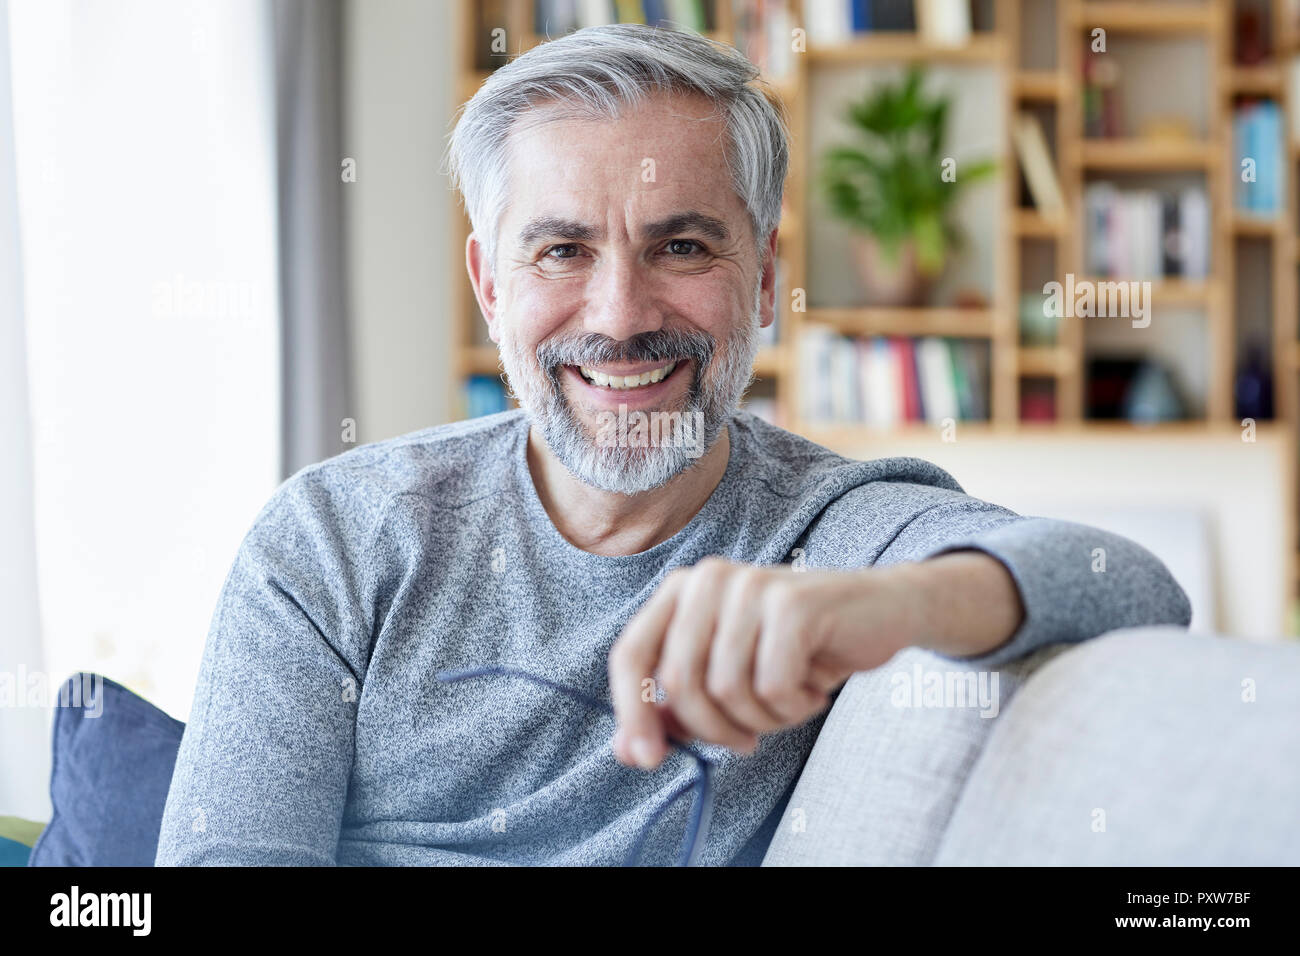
606	523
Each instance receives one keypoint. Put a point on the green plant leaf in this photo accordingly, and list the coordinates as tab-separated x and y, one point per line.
888	183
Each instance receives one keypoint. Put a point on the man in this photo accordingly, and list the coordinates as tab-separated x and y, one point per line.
410	660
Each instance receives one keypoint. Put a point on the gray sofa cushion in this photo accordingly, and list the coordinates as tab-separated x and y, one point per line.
884	775
1148	726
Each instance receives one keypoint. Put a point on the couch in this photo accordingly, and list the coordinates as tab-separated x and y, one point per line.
1145	746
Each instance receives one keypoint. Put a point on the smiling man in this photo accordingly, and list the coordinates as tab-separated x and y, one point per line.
416	654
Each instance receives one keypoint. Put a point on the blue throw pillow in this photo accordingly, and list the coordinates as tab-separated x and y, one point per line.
114	753
13	853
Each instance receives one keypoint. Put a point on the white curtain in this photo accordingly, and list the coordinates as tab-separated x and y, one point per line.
24	730
144	132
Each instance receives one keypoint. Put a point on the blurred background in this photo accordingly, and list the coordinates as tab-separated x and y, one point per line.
228	250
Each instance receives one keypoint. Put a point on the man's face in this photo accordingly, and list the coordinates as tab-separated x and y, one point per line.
628	289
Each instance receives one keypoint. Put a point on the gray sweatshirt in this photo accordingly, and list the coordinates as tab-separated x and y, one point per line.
321	734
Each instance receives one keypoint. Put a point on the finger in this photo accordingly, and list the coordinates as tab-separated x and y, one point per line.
730	678
685	663
640	738
823	679
781	669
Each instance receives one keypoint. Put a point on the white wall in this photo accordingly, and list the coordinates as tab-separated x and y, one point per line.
398	102
1166	493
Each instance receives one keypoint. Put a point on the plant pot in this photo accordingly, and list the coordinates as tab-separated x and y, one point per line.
887	282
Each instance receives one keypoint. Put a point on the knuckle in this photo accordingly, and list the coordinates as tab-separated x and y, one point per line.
675	680
773	689
727	688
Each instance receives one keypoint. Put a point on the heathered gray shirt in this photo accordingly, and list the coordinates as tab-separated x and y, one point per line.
320	734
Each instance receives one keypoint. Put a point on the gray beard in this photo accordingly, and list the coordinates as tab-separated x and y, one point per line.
623	467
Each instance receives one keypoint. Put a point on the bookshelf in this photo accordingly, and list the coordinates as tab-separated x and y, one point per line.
1048	84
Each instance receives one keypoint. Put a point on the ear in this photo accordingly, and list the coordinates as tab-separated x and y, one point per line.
769	305
480	277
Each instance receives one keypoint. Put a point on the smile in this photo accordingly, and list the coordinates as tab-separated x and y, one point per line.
623	382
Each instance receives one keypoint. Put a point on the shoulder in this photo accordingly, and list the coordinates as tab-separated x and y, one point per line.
446	465
795	467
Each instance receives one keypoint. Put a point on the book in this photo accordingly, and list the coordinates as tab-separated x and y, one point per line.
688	14
944	22
1036	163
595	13
893	15
629	11
881	382
1144	233
554	18
829	22
935	367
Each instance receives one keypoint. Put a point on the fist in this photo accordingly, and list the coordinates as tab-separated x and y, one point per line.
740	650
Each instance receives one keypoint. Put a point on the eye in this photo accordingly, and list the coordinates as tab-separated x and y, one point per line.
568	251
680	248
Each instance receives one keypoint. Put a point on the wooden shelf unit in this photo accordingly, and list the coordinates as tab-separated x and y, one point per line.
1078	158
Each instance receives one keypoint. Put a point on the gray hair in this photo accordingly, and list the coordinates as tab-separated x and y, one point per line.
594	72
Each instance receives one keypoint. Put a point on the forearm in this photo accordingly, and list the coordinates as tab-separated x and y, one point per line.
1075	582
960	604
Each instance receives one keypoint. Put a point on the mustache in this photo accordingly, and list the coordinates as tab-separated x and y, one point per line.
661	345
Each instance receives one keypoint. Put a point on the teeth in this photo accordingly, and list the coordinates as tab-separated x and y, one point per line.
626	381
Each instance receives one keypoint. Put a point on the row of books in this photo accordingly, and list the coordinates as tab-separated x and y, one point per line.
1145	233
1259	137
941	22
555	18
884	381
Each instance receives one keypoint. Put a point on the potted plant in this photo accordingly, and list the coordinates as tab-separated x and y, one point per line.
891	189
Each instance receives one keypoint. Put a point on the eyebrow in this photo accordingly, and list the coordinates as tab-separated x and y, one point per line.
554	227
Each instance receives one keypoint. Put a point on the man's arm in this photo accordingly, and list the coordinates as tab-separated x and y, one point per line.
742	650
262	773
1074	581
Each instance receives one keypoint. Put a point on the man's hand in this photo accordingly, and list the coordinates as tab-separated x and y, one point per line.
741	650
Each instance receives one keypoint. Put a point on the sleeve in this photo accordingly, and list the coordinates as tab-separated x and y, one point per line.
261	777
1075	582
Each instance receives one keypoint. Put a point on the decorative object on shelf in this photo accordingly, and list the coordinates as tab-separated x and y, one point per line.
1101	102
891	189
1037	325
1137	389
1254	386
1152	397
1038	401
1252	40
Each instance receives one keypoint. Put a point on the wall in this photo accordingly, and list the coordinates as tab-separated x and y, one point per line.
1206	503
398	102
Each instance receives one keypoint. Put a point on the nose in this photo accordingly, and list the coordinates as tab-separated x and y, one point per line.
620	299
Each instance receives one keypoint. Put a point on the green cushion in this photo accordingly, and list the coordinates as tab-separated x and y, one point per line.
20	830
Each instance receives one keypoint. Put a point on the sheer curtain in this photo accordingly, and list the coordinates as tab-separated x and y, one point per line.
144	132
24	730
